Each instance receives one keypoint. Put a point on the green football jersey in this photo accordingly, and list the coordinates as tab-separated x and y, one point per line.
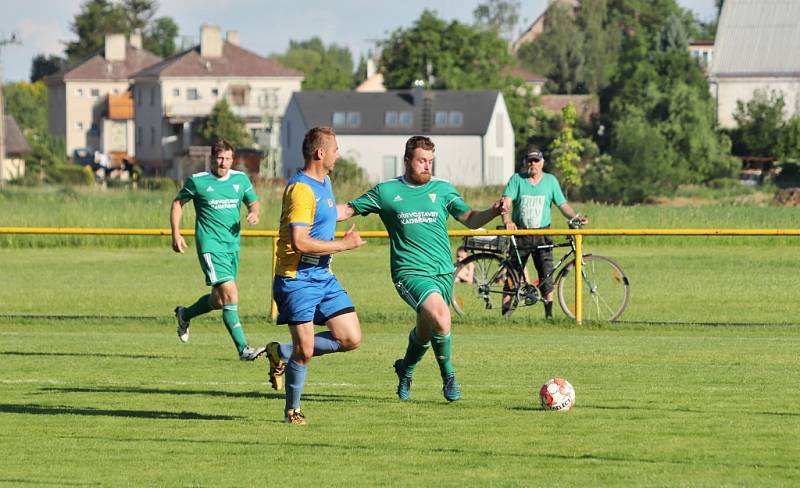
217	204
531	203
416	219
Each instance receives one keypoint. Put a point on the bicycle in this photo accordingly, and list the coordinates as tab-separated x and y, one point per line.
499	281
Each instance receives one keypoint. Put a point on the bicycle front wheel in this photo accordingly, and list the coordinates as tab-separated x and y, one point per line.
605	289
494	287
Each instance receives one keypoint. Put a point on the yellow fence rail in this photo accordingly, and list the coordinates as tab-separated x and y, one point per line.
578	233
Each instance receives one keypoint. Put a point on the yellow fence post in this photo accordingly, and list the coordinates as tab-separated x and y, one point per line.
274	307
578	279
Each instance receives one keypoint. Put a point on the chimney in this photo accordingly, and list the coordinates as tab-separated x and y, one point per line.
372	68
115	47
210	41
417	92
136	39
233	37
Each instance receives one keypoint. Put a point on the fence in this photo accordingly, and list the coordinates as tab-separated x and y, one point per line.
577	233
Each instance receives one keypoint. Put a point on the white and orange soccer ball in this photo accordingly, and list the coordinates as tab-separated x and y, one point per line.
557	394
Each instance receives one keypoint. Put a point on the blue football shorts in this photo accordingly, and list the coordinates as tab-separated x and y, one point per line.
314	294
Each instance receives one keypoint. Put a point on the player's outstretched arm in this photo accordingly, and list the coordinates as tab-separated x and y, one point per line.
302	241
474	219
175	214
569	213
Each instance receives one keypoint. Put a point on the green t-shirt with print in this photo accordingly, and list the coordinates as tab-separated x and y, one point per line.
416	219
531	203
217	204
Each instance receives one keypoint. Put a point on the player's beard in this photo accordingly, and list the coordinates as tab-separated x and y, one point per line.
419	178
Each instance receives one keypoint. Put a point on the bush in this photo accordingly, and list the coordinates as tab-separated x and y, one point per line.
158	184
70	174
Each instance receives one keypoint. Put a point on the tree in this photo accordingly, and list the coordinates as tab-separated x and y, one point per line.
565	151
601	44
27	103
498	16
452	56
324	68
139	13
159	38
558	52
96	19
222	122
760	123
42	66
456	56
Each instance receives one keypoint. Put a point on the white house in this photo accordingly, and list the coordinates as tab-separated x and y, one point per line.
756	48
471	129
174	96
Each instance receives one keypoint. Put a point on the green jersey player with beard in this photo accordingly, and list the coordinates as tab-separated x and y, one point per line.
414	209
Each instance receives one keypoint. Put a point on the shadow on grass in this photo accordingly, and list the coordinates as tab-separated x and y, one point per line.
676	409
145	414
82	354
309	397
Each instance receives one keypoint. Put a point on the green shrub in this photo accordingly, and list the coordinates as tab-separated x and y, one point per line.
70	174
158	183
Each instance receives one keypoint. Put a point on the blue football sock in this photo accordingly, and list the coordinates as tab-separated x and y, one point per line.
295	379
324	343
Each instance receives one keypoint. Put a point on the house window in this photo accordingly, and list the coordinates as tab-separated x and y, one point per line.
152	96
79	125
94	93
389	167
239	95
390	119
455	119
191	94
138	135
176	92
405	119
79	92
448	119
138	94
339	119
353	119
214	92
498	121
152	136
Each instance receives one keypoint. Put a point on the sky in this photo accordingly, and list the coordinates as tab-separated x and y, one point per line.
265	26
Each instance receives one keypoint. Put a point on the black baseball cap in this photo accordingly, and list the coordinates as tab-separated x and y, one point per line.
533	155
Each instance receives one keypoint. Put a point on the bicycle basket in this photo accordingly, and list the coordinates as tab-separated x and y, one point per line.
498	244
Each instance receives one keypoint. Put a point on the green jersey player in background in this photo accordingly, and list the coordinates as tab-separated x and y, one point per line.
414	209
217	197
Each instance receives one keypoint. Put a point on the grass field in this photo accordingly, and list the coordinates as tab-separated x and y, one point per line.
108	396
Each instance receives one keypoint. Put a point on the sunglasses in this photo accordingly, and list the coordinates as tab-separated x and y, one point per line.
535	160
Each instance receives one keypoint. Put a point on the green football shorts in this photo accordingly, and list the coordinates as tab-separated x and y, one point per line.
219	267
415	289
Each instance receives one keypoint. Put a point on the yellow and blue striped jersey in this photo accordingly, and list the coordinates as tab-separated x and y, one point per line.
311	203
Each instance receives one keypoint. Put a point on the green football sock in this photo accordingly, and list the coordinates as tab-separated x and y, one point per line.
201	306
230	316
443	348
414	352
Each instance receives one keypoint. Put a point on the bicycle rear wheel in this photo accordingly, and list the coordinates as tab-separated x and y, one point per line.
605	289
493	285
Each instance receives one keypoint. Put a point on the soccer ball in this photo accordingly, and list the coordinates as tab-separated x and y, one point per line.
557	394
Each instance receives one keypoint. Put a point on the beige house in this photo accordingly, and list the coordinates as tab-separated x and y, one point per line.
16	147
172	98
89	103
756	49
